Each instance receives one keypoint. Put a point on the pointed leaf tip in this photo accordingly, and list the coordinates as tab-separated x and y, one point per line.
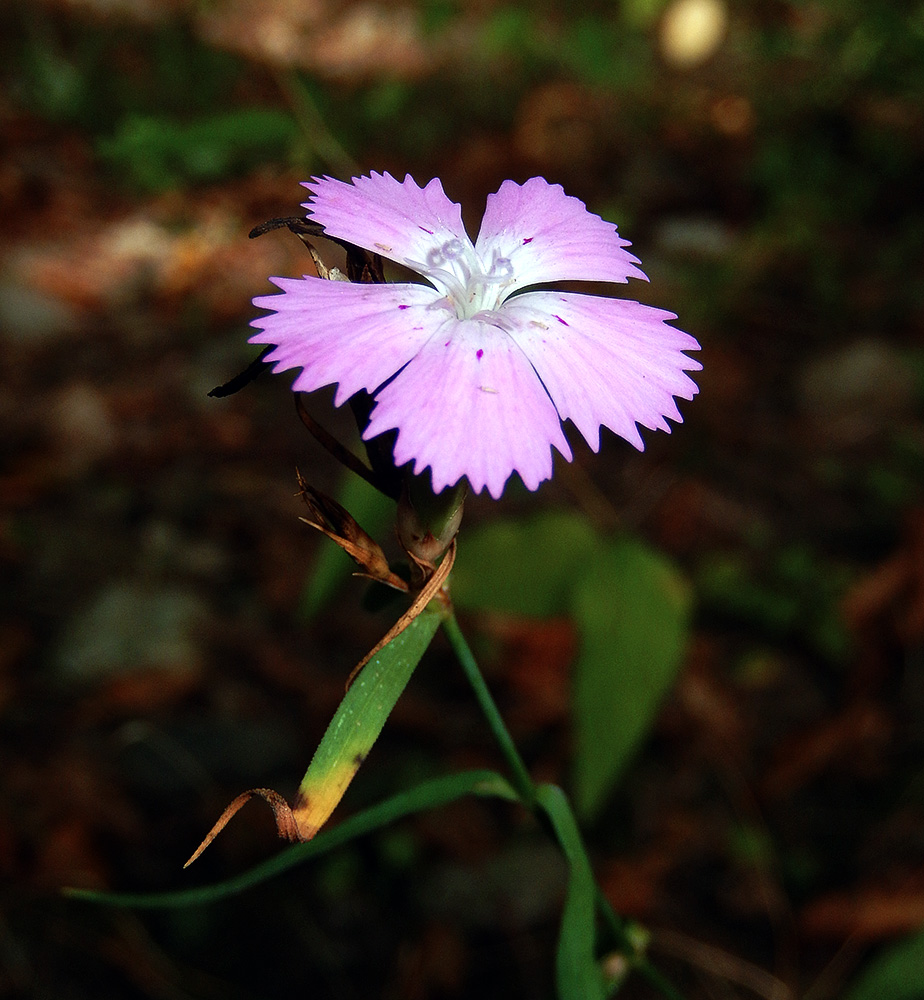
286	824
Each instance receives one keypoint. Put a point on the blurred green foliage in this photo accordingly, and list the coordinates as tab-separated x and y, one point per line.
524	567
158	104
80	74
791	594
897	973
631	609
157	153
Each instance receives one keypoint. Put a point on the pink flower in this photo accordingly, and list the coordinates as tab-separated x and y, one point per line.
476	374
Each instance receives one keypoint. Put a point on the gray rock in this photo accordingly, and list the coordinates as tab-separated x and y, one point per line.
852	392
132	626
29	317
523	884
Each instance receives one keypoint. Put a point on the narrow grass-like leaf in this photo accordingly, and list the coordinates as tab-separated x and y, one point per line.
359	720
427	795
577	973
632	610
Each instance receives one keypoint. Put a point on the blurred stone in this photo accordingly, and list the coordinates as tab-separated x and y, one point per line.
365	36
82	427
522	885
164	546
126	263
32	316
132	626
341	41
698	237
853	391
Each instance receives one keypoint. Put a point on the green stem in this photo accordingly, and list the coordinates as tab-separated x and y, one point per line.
527	792
522	782
623	940
521	779
614	924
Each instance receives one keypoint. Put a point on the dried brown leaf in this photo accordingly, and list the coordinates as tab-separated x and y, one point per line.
285	820
335	521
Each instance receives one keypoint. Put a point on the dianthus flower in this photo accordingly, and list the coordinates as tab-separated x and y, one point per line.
474	373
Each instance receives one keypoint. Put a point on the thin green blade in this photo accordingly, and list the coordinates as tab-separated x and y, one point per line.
358	722
427	795
577	973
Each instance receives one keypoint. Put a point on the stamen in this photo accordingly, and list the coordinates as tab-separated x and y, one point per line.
450	282
453	249
444	279
494	317
501	271
455	268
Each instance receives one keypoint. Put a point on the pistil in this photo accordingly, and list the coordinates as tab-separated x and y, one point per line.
456	269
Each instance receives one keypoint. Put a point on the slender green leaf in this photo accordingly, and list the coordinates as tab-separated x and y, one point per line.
427	795
358	721
577	973
523	567
632	609
897	973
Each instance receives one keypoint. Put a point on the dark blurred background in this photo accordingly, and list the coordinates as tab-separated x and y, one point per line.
161	646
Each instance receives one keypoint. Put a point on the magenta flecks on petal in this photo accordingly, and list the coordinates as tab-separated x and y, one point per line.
550	236
469	404
353	334
395	218
605	361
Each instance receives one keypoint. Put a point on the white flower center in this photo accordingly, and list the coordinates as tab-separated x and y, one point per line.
470	286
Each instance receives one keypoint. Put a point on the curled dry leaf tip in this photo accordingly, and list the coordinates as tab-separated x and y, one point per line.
286	825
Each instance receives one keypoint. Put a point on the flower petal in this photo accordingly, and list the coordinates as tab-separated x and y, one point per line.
399	220
357	335
550	236
469	404
605	361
